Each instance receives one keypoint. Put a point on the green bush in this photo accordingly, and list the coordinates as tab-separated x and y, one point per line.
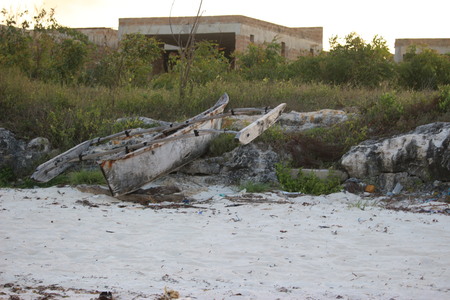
49	52
307	184
424	70
6	177
349	62
444	98
260	62
385	113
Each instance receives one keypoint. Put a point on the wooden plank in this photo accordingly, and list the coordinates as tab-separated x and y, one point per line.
255	129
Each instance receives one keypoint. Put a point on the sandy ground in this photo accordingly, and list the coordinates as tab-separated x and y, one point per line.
62	243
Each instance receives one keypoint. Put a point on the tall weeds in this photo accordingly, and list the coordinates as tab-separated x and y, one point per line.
68	114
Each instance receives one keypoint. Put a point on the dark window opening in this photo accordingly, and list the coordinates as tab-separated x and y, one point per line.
283	49
252	38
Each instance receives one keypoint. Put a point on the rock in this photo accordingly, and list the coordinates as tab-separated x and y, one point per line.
299	121
19	156
207	166
244	163
389	180
40	145
9	147
422	154
354	185
250	163
295	121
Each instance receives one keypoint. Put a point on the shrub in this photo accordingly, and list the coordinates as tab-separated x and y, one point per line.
307	184
260	62
209	63
425	70
6	177
49	52
130	65
444	98
351	62
384	114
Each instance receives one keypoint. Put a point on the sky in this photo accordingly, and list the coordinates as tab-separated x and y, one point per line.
390	19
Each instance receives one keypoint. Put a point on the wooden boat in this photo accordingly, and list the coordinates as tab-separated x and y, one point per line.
135	157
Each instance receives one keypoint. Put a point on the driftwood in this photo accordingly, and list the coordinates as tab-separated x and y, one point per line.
256	128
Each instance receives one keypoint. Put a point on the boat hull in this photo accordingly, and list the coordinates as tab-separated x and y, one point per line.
129	172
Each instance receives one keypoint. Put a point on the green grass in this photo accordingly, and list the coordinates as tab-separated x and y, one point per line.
256	187
86	177
71	178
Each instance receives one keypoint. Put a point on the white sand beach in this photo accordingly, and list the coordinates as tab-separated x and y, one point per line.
221	245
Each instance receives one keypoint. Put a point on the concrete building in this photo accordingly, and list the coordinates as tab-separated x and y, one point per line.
232	33
442	46
101	36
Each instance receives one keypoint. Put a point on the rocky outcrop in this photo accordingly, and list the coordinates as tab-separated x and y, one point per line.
245	163
298	121
421	155
20	156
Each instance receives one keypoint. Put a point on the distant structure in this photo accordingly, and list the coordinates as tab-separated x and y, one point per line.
101	36
232	33
401	46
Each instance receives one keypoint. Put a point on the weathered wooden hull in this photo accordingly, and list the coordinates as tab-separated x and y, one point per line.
129	172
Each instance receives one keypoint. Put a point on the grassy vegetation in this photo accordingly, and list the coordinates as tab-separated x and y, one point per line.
256	187
68	115
307	184
8	179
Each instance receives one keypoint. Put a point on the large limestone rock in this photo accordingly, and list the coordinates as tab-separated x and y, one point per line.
297	121
250	163
422	154
18	155
245	163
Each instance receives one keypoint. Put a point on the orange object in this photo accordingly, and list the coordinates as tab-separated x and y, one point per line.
370	188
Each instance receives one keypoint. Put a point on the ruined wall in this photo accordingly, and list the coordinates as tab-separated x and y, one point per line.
295	41
101	36
293	46
401	46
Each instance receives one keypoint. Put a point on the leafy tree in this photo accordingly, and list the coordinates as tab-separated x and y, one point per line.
424	70
137	54
130	64
15	41
42	48
262	61
351	61
208	63
356	62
